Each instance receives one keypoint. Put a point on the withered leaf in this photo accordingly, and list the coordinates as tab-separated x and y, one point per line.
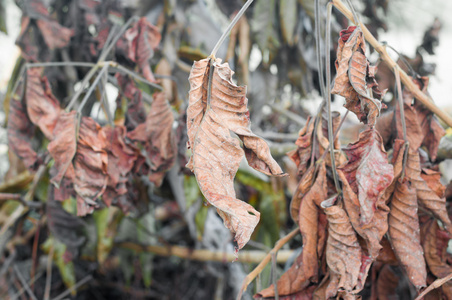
343	252
305	269
427	198
218	107
143	38
90	165
302	188
368	172
355	78
63	147
20	132
42	107
432	178
399	148
404	233
302	155
136	113
158	137
387	283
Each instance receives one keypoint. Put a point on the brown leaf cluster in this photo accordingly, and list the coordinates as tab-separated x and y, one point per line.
216	108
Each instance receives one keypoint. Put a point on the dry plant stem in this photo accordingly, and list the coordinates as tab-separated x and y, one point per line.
49	274
407	64
355	15
24	283
260	267
22	290
245	256
290	115
230	26
92	87
435	284
402	118
73	288
275	284
318	50
328	90
406	80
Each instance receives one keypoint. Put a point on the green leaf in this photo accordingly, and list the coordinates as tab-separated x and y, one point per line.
107	221
194	196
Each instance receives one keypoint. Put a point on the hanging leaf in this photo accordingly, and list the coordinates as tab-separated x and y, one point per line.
90	165
427	198
303	187
302	155
20	132
63	147
343	252
404	233
132	95
368	172
387	283
42	107
355	79
158	138
217	107
142	39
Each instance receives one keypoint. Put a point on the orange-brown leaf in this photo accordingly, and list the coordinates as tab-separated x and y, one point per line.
343	252
387	283
404	233
217	154
427	198
303	187
63	147
302	155
90	165
42	107
432	178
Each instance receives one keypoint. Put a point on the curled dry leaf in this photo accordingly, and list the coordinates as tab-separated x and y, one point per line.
143	38
343	252
20	132
368	172
42	107
157	135
302	155
427	198
355	78
303	187
133	98
404	233
432	178
216	108
90	165
63	147
398	152
323	143
435	242
305	269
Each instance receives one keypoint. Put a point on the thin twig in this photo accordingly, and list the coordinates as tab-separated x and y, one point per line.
407	64
85	81
73	288
318	50
436	284
402	119
229	28
60	64
274	281
92	87
328	91
407	81
22	290
293	116
355	15
250	277
49	273
135	75
24	283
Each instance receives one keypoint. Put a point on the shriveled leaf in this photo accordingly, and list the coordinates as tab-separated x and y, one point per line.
132	95
216	154
63	147
355	78
107	221
343	252
302	155
404	232
427	198
303	187
399	147
385	127
387	255
143	38
323	144
158	137
305	269
368	172
90	164
432	178
20	133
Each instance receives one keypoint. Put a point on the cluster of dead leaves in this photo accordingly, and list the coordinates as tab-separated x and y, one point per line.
91	162
387	215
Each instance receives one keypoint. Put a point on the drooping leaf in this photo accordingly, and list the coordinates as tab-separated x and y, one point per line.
303	187
63	147
302	155
90	165
132	95
387	283
143	38
158	138
305	269
427	198
368	172
107	221
20	133
432	178
217	107
355	79
343	252
404	233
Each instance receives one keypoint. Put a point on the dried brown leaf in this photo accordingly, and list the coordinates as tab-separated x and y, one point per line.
427	198
42	107
432	178
90	165
20	132
302	155
404	233
136	113
387	283
303	187
63	147
216	154
343	252
143	38
158	137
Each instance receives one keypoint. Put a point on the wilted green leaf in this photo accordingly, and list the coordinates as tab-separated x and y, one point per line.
107	221
192	196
